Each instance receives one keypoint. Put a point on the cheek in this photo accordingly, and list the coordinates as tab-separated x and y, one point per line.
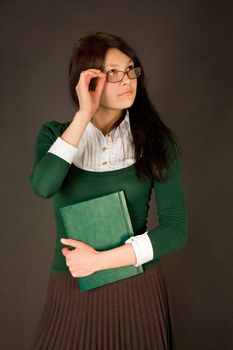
134	86
109	93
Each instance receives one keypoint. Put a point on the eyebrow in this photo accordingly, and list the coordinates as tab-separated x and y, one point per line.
116	65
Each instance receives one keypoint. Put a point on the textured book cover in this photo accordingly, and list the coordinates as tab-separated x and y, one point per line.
104	223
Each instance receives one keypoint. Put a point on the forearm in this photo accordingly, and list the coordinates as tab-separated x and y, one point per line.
117	257
75	130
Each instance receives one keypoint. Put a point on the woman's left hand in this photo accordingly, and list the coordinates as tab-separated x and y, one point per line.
81	261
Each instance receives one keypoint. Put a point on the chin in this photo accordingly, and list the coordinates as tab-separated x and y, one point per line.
126	104
119	105
129	104
123	106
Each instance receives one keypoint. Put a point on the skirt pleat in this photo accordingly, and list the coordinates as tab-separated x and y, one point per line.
126	315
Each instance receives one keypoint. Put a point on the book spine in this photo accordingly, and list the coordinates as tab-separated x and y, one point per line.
125	212
63	220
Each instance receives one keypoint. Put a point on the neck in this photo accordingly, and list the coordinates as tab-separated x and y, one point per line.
104	119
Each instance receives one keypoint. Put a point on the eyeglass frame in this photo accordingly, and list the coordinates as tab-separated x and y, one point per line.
126	72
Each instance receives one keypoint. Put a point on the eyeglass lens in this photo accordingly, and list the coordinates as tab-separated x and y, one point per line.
116	76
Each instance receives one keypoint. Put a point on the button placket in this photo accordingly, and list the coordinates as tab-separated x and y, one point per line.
104	154
112	145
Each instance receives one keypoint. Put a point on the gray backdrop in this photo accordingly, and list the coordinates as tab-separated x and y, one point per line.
186	50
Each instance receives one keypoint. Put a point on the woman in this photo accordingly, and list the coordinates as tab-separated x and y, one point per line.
116	141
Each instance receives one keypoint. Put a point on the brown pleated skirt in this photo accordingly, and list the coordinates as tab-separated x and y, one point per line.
131	314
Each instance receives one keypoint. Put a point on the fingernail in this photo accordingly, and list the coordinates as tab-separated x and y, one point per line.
62	240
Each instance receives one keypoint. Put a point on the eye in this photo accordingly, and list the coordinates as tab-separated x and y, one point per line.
111	72
130	67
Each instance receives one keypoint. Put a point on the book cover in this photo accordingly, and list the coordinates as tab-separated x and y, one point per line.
103	223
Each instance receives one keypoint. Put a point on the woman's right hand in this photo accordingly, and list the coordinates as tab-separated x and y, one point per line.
89	100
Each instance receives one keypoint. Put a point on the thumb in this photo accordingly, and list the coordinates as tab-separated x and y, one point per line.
70	242
100	84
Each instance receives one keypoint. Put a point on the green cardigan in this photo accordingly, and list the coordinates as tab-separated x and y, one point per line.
52	176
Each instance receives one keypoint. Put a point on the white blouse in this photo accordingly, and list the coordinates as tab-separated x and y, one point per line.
113	151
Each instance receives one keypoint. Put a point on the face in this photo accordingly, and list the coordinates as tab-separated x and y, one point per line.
114	95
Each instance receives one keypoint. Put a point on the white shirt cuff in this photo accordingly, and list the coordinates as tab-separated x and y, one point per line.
63	150
142	247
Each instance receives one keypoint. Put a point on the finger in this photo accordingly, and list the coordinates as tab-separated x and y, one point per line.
88	75
85	73
84	81
91	70
65	251
72	268
70	242
100	84
68	263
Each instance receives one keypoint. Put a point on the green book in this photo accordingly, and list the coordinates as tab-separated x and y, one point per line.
104	223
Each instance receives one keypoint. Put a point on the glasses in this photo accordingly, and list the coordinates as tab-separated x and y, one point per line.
115	76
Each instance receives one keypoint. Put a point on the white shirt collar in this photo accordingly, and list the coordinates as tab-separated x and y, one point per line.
124	124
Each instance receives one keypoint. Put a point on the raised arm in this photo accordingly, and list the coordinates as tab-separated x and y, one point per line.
56	144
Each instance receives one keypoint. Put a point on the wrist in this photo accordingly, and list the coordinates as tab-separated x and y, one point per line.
116	257
98	261
82	115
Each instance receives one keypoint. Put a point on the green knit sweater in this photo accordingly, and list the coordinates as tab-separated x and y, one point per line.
54	177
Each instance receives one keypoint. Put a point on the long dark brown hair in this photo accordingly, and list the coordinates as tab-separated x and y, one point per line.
154	143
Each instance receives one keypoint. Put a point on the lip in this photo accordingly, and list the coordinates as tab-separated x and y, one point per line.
128	92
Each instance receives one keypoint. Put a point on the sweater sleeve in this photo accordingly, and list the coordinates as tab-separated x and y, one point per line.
49	168
171	232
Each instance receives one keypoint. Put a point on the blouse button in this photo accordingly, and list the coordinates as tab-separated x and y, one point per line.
104	163
104	149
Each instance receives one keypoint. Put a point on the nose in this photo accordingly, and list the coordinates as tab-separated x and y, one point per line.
126	80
